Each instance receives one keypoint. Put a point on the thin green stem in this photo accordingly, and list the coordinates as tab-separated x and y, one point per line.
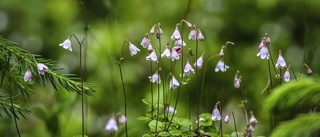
197	85
123	87
235	124
82	83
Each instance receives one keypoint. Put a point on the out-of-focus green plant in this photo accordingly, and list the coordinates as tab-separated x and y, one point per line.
298	103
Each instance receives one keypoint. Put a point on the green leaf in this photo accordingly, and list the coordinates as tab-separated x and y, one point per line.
206	116
147	102
205	123
146	135
189	133
142	118
185	122
212	134
153	124
175	132
163	134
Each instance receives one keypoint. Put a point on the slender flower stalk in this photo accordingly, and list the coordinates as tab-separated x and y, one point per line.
122	81
80	43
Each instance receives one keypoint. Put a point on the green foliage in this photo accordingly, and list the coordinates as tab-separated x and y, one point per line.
294	97
15	62
302	126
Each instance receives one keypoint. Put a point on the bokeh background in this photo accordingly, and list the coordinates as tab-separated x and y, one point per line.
40	25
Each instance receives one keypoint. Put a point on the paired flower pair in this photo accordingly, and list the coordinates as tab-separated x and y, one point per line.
41	69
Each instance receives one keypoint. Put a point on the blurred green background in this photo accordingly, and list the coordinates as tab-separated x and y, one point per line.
40	25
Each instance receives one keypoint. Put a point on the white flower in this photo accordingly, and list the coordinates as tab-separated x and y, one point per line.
199	62
264	53
179	43
216	114
193	34
123	119
286	76
281	63
111	125
66	44
150	48
253	121
237	80
152	57
152	30
174	55
28	76
226	119
145	42
133	49
174	83
42	68
221	66
166	53
200	36
188	68
171	110
155	78
176	34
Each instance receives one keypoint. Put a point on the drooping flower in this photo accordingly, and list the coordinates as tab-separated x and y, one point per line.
166	53
176	34
174	83
281	63
221	66
123	119
249	130
264	53
42	68
178	49
111	125
145	41
66	44
152	30
309	71
286	75
174	55
171	110
193	34
155	78
199	62
179	43
221	54
188	23
237	80
133	49
226	119
150	48
188	68
253	121
216	114
28	76
200	36
152	57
